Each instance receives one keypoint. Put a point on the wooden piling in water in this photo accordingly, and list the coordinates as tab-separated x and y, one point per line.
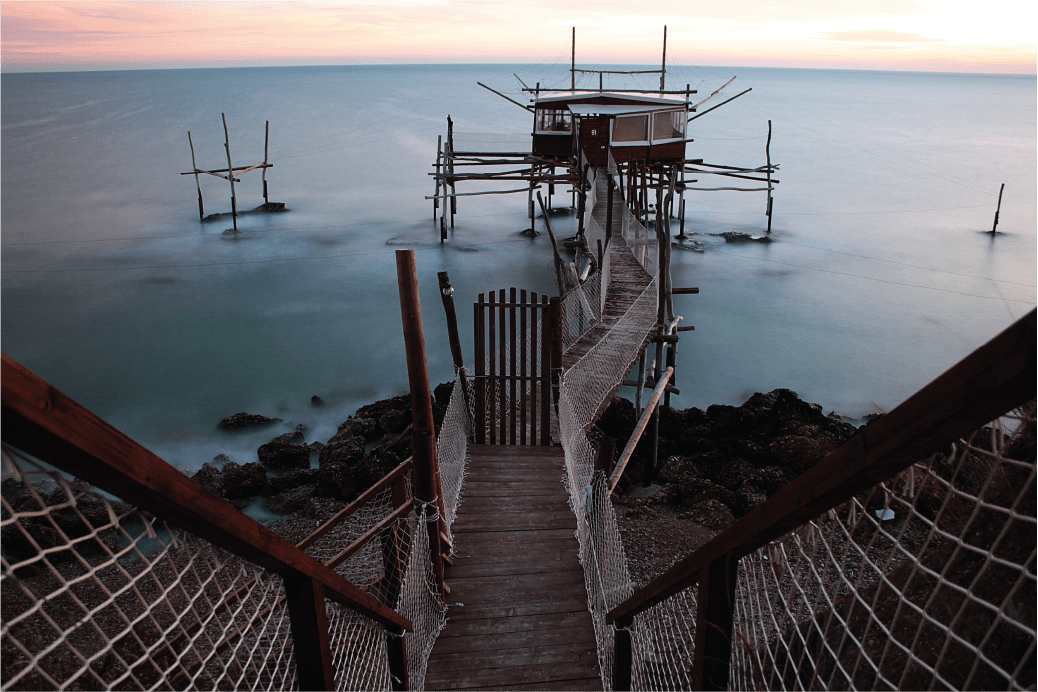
198	184
998	208
230	173
266	154
767	153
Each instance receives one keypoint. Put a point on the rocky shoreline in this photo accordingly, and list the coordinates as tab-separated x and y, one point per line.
714	466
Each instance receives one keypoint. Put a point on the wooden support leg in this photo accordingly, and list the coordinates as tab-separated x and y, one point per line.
310	645
396	652
623	658
712	651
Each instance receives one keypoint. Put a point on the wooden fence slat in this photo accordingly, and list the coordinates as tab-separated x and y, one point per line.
546	332
534	372
512	363
481	368
502	388
492	360
522	368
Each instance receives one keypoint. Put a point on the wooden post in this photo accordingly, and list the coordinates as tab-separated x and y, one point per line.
266	156
663	68
449	156
194	167
447	296
712	649
426	470
436	194
573	62
643	421
606	455
555	338
609	207
230	172
993	226
396	652
557	258
767	153
309	622
623	659
672	362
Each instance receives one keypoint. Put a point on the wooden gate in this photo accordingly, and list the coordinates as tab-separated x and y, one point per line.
517	343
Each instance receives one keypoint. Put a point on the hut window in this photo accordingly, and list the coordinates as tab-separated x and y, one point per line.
631	128
668	125
554	121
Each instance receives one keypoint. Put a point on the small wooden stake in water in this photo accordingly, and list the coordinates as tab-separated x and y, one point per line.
230	172
194	167
998	208
266	152
767	153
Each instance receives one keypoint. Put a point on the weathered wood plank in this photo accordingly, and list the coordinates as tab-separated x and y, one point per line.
497	611
578	684
531	655
556	636
540	674
519	623
515	521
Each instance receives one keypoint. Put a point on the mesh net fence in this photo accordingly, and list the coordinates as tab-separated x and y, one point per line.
925	582
99	594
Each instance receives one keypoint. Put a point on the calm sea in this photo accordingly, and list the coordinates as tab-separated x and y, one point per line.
880	278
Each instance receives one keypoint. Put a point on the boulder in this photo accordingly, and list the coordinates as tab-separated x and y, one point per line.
380	408
346	451
210	478
296	500
316	401
442	393
734	473
714	492
747	497
291	480
288	451
244	421
242	481
220	458
335	479
711	514
797	452
770	479
364	428
618	420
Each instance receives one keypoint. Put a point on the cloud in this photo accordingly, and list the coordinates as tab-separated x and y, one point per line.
879	36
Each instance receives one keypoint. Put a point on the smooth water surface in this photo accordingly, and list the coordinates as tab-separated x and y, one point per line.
880	278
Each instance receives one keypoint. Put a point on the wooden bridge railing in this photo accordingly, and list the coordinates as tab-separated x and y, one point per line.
994	379
43	422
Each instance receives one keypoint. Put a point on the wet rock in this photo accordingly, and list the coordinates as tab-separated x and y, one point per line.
442	393
734	237
244	421
711	514
380	408
364	428
316	401
335	479
346	451
714	492
288	451
748	497
797	452
210	478
734	473
394	450
291	480
18	495
394	422
676	469
242	481
770	479
220	458
618	420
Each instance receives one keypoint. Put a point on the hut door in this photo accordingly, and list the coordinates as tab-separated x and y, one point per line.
594	134
512	394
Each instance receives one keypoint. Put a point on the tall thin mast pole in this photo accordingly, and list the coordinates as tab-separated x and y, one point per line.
663	69
573	62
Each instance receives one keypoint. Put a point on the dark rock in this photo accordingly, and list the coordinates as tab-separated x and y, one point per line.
210	478
394	422
730	421
285	452
364	428
19	497
734	237
676	469
442	393
771	479
688	443
241	481
734	473
316	446
243	421
220	458
394	449
335	479
690	487
797	452
347	451
708	463
291	480
382	407
839	427
618	420
316	401
747	497
298	499
672	422
712	514
714	492
695	417
375	466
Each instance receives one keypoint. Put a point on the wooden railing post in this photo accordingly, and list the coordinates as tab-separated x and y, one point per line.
623	657
712	650
555	322
423	440
447	296
396	651
310	645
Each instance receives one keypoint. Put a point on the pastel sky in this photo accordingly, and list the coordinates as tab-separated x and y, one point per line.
989	36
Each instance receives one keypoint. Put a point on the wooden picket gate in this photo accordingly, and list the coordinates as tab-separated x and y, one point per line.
517	343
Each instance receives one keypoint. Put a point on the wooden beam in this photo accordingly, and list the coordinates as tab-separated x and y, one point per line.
712	647
506	98
995	378
42	421
453	336
310	643
699	115
643	422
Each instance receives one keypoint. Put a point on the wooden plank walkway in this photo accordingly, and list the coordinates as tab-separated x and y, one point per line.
518	609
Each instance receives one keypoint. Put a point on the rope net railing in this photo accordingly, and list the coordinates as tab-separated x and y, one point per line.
582	389
99	594
927	581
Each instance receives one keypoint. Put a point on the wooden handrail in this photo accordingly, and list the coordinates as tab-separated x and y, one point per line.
987	383
40	420
361	500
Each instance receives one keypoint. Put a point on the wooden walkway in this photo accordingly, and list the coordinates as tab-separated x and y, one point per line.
518	609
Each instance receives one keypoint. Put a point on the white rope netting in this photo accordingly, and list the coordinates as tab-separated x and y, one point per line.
97	594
